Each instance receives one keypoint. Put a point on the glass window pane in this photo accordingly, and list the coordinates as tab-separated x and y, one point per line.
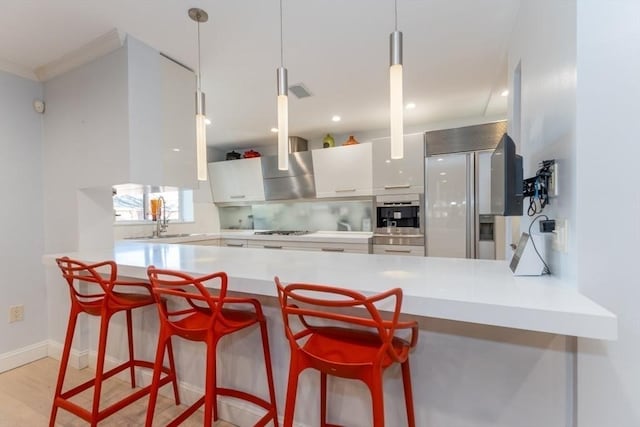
128	205
133	203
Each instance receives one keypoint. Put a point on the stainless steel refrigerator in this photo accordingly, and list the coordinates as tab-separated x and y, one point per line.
459	223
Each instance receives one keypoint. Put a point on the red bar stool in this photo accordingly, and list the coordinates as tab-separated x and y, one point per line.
331	338
100	298
194	314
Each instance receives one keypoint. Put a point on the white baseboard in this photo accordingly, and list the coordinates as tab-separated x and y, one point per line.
22	356
77	359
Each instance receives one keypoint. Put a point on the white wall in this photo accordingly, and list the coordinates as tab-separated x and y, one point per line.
22	241
608	206
544	44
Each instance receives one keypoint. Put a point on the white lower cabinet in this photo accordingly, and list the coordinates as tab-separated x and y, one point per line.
398	250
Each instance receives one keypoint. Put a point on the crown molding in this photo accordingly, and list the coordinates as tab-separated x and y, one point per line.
96	48
17	70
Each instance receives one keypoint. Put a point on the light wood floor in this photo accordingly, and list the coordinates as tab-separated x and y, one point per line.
26	395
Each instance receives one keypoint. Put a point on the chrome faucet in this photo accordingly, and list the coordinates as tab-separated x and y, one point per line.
162	223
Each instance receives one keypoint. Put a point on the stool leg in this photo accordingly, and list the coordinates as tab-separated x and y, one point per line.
64	361
377	398
155	381
131	359
172	369
323	399
292	389
408	393
210	393
267	362
102	348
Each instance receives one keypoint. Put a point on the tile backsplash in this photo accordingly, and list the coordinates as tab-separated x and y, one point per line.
348	215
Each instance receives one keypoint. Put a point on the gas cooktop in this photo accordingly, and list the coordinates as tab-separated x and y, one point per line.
282	232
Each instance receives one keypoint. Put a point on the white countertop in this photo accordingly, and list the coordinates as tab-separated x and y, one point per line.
317	236
476	291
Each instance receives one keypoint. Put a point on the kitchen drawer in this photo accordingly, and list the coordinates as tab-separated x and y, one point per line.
208	242
234	243
272	244
361	248
398	250
294	245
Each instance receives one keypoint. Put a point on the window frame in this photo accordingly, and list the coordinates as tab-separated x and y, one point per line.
185	197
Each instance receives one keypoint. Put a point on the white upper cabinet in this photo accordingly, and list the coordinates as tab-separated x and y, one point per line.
405	175
344	171
178	124
236	180
127	117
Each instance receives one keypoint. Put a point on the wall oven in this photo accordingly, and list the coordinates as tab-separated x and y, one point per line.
399	226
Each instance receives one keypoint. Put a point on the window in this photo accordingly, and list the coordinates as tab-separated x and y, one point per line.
132	203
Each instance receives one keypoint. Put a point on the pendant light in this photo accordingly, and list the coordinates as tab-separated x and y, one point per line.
283	108
395	91
199	16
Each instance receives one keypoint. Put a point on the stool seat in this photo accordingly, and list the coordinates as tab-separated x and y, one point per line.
351	347
97	297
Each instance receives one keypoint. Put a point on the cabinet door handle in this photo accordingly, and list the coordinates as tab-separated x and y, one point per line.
239	196
332	249
391	187
272	247
398	251
345	190
235	245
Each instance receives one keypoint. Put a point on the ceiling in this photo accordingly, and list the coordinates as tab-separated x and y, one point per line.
454	56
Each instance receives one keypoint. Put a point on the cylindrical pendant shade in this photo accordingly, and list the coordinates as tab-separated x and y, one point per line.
201	138
396	112
283	132
201	147
283	119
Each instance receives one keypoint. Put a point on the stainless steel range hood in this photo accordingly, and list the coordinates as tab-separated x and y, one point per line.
295	183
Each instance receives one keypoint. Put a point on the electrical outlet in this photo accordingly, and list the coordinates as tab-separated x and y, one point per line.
553	180
16	313
560	236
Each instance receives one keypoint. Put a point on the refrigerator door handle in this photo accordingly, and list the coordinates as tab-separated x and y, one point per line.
470	208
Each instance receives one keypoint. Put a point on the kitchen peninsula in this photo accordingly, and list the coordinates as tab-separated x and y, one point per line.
476	291
483	332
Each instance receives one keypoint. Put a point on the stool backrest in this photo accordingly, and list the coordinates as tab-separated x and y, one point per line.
188	295
317	306
102	274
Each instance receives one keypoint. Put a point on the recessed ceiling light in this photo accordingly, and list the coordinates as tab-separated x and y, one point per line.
387	161
443	173
336	118
207	121
440	159
410	106
176	150
274	130
505	93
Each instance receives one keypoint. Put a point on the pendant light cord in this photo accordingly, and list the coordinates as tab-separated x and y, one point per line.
281	39
199	74
396	15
